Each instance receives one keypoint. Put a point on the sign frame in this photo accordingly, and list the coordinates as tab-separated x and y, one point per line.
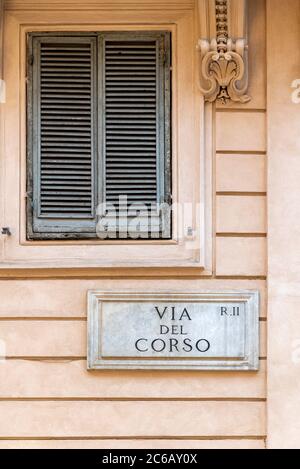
249	362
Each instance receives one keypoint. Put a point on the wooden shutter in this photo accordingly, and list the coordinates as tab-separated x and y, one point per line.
62	136
98	129
135	101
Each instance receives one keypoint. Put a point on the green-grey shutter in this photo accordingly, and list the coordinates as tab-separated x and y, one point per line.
135	103
62	136
98	128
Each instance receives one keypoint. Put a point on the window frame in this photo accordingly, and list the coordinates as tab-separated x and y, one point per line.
192	166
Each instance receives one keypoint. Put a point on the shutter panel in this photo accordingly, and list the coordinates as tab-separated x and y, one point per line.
63	97
136	127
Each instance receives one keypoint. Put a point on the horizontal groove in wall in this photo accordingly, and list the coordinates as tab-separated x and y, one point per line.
43	318
49	318
158	277
121	277
72	359
134	438
242	110
240	277
241	235
96	7
32	275
169	277
65	359
131	399
241	194
241	152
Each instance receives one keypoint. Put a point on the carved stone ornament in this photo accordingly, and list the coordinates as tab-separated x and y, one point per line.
223	59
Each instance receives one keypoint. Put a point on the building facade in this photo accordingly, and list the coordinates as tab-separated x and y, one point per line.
234	142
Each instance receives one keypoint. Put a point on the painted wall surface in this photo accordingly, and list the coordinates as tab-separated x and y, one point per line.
47	397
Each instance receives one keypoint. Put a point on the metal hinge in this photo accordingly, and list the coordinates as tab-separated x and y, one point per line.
169	199
5	230
29	197
162	55
31	60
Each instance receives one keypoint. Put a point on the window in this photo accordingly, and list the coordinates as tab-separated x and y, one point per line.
99	138
53	248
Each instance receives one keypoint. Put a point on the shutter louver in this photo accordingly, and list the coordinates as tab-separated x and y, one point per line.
64	78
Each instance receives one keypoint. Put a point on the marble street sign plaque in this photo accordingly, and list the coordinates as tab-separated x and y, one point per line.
173	330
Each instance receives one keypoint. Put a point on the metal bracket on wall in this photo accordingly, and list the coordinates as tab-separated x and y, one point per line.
6	231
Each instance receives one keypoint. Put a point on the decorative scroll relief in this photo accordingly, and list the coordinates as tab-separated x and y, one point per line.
223	59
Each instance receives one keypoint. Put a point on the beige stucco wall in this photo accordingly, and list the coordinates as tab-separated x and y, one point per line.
284	227
48	399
